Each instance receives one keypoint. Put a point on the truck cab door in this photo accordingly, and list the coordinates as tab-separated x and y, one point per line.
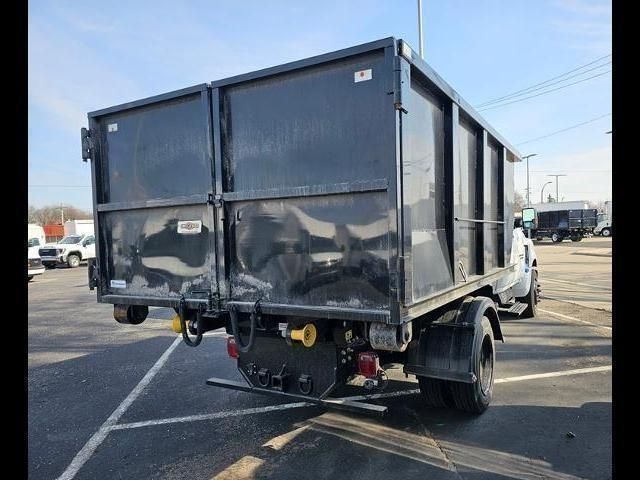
89	247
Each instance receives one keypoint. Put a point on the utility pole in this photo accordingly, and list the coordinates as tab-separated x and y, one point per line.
420	42
557	197
526	157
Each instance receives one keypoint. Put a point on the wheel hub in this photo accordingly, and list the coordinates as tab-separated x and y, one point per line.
486	365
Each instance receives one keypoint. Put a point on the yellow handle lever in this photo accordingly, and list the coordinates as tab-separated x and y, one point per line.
306	335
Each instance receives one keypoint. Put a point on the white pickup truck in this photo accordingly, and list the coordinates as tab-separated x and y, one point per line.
70	251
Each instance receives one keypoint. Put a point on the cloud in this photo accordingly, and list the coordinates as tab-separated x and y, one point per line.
586	24
583	7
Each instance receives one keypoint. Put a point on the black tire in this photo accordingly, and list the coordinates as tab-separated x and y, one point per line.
73	260
49	266
538	239
435	392
29	278
556	238
605	232
531	299
577	238
475	397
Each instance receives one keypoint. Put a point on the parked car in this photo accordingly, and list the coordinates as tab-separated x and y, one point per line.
34	262
70	251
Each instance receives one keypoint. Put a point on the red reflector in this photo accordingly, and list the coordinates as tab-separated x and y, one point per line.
232	348
368	364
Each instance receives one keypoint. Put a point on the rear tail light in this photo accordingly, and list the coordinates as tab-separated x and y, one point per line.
232	348
368	364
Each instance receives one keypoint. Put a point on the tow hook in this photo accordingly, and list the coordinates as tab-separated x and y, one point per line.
279	382
305	384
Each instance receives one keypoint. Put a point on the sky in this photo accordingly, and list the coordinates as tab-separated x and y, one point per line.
88	55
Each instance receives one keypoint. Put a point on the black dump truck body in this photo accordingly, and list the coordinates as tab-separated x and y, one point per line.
347	189
561	224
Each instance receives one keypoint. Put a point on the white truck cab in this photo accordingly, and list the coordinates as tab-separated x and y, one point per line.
35	239
605	221
70	251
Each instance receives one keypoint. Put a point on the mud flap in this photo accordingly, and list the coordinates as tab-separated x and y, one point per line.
445	347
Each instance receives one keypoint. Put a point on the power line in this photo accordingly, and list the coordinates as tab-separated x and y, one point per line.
565	129
544	93
542	83
572	170
531	89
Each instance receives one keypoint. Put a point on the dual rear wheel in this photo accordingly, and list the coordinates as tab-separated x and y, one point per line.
470	397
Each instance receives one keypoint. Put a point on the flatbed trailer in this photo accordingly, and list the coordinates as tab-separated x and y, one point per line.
334	214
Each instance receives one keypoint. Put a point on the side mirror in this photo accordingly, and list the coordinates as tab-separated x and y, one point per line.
529	218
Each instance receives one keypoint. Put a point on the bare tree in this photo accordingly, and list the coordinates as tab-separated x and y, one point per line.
52	215
518	202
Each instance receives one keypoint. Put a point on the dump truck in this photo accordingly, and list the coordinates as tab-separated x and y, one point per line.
334	215
561	224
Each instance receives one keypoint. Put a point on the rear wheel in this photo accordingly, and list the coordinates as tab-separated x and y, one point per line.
73	261
576	238
556	238
605	232
30	277
49	266
435	392
475	397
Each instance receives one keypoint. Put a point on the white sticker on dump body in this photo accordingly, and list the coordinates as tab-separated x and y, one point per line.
112	127
190	226
118	284
362	75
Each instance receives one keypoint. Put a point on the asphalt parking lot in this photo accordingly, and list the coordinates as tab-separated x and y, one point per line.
118	401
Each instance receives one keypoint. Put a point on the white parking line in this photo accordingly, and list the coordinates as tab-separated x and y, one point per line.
94	442
574	319
563	373
211	416
599	287
289	406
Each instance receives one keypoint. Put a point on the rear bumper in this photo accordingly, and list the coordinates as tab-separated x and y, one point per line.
335	403
35	271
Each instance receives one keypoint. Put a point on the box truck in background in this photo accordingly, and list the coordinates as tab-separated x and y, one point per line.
78	227
605	220
555	206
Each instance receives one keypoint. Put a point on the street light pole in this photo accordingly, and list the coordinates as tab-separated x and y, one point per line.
420	43
557	196
526	157
542	192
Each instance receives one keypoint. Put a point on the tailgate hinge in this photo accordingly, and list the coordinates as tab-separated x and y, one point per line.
215	200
